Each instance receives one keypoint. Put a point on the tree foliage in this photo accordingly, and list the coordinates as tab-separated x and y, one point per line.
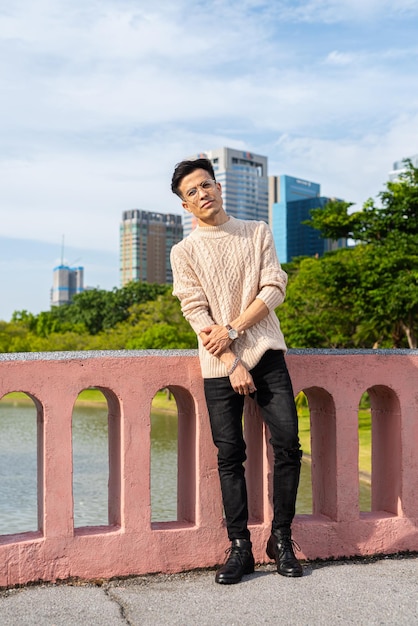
333	220
137	316
319	310
100	310
398	213
373	285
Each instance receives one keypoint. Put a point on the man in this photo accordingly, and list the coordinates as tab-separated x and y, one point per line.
229	282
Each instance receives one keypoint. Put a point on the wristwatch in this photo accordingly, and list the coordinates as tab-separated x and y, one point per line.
232	333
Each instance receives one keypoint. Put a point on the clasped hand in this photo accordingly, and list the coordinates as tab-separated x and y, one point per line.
242	381
215	339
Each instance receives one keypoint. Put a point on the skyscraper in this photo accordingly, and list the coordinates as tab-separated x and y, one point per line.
290	203
243	176
67	282
146	239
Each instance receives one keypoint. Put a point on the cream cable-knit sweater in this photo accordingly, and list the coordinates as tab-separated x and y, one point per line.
218	271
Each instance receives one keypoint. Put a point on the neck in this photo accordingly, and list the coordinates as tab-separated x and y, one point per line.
215	220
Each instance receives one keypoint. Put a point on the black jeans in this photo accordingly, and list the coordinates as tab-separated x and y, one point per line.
275	398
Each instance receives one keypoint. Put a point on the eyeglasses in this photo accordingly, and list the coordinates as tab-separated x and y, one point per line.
191	194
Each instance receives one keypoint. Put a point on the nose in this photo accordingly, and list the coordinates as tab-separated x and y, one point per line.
202	192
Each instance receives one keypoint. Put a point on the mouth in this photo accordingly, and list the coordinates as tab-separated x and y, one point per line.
206	204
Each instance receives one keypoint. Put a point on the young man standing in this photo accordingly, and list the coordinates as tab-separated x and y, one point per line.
229	282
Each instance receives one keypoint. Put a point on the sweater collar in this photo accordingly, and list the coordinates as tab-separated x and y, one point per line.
227	228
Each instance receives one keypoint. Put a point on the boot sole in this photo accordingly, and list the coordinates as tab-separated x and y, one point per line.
234	581
290	574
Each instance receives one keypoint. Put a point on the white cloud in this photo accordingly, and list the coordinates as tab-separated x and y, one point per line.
353	170
101	98
336	11
339	58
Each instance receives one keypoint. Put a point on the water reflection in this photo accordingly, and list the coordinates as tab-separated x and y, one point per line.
18	469
163	467
90	466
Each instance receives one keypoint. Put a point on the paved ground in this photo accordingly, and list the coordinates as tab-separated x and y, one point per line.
373	592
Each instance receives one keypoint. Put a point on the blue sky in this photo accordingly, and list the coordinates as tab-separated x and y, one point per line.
99	100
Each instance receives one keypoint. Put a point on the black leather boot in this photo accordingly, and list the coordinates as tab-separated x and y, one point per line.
280	549
240	561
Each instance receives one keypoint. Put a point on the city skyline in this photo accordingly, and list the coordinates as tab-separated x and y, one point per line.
110	273
101	100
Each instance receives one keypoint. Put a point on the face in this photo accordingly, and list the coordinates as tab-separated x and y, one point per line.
202	196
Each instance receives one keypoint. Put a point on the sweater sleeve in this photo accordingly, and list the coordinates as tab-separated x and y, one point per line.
188	289
273	279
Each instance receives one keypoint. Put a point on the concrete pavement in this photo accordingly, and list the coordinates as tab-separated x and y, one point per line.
362	592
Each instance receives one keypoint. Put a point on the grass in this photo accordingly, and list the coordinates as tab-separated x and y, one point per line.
16	397
162	402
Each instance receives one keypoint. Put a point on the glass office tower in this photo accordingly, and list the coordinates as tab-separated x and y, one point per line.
282	191
290	203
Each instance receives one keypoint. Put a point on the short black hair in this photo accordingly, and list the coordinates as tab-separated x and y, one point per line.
184	168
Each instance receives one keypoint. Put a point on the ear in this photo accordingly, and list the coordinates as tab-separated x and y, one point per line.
185	206
218	186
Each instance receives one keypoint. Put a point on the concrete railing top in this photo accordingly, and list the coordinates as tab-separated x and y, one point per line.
92	354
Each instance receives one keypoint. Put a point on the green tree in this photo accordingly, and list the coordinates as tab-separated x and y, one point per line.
384	284
161	336
319	310
90	308
398	213
334	220
137	316
387	291
98	310
133	293
24	318
159	324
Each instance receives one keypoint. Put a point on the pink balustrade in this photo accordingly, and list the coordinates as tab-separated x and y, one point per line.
130	544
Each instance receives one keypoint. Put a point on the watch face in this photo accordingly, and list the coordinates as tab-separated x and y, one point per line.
232	333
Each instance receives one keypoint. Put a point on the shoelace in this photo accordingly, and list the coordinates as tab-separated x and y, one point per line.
234	551
295	545
288	542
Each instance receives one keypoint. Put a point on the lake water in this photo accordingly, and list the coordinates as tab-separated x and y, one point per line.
18	469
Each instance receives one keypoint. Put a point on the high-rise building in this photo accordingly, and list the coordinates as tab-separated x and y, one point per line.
67	282
290	203
399	167
243	176
146	239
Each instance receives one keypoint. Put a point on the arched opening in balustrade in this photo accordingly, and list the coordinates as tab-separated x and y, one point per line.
323	451
304	498
96	458
173	457
386	450
164	467
21	442
364	453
